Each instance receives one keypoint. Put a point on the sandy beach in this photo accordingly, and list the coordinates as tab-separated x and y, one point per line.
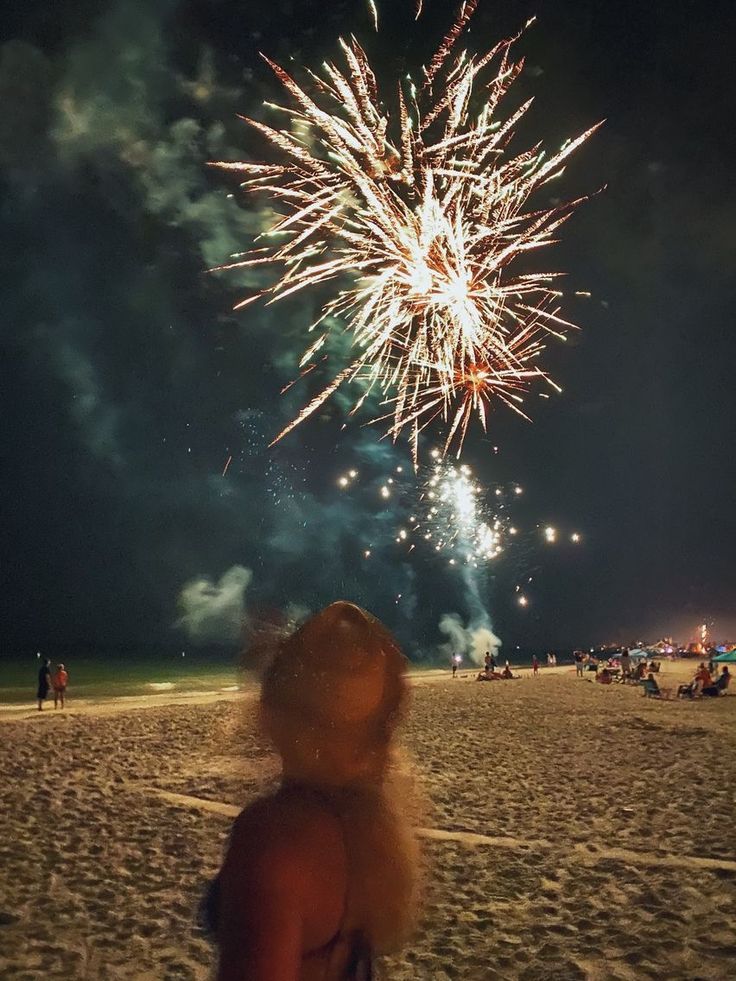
574	831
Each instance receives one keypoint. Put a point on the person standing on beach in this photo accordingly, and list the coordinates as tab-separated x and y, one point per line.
60	681
321	875
535	665
44	683
625	664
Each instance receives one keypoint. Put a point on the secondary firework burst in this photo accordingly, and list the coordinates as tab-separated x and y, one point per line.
416	216
445	511
455	516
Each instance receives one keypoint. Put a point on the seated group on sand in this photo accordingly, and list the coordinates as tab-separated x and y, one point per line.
490	671
618	668
703	685
706	684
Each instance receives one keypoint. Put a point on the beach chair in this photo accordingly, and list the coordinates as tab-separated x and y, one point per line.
652	690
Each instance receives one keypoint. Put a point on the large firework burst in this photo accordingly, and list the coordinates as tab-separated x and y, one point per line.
416	215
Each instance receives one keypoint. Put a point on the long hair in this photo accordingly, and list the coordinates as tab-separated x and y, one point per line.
331	700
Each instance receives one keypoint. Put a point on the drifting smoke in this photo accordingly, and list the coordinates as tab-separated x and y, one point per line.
472	641
478	637
296	614
214	612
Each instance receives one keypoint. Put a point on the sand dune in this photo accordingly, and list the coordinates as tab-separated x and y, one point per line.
574	832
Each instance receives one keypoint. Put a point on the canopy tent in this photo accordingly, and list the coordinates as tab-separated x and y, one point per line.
728	658
639	655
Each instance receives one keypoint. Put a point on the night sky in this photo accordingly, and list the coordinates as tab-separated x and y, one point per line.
128	382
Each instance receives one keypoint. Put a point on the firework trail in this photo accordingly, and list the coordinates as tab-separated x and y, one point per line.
416	217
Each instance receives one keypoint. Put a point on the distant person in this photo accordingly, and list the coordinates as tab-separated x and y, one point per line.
320	875
720	686
651	688
488	661
535	665
549	660
507	672
454	664
625	664
703	678
60	681
579	658
493	662
604	677
44	683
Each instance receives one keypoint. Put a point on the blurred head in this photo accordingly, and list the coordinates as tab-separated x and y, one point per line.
61	667
333	696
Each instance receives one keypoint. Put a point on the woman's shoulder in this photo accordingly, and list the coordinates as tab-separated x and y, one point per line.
294	824
287	854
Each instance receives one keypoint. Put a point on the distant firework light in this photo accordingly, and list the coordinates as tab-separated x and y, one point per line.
416	216
445	511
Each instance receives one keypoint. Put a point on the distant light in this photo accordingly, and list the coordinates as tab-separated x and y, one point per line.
550	535
399	470
353	474
518	490
183	653
575	537
367	553
523	601
385	492
343	481
512	531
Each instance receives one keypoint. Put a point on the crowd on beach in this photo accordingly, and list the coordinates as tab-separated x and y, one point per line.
617	667
47	681
621	668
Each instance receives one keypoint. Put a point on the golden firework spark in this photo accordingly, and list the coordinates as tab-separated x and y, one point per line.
416	216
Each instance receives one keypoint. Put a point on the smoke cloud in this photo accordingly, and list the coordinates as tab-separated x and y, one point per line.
471	641
214	612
